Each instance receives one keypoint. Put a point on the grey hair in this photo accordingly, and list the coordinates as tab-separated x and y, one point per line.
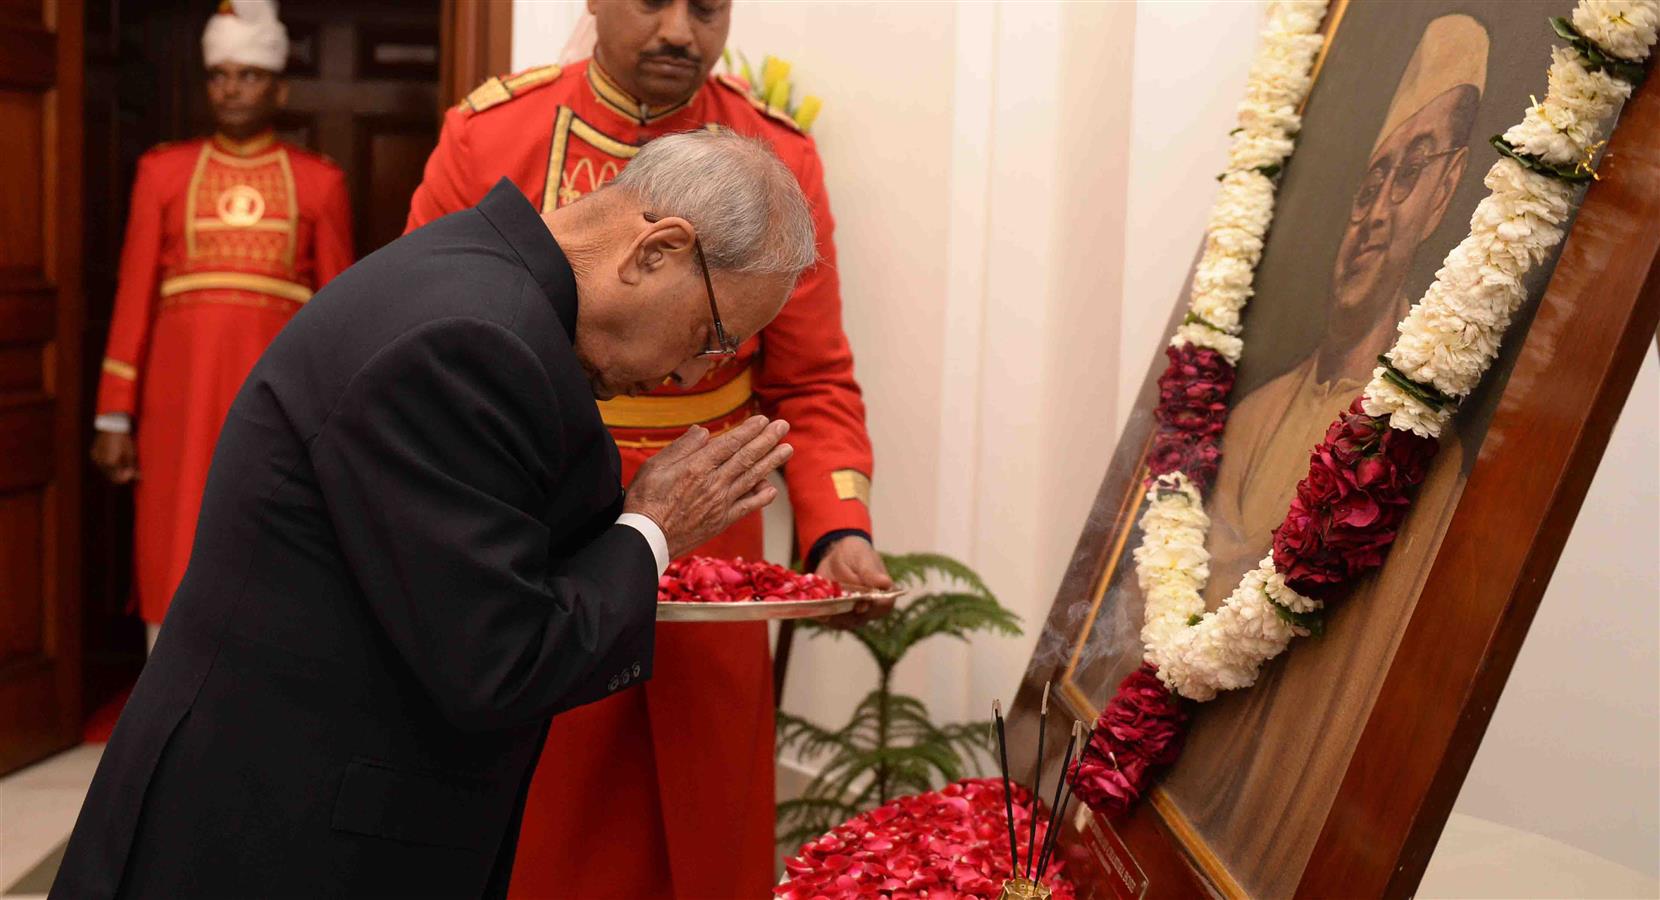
747	207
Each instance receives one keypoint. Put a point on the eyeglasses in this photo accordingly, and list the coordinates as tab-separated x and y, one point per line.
725	347
1400	181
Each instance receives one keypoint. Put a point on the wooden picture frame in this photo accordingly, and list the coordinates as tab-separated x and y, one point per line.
1550	421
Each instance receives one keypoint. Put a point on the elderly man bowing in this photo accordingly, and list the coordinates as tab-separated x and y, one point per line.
561	133
414	548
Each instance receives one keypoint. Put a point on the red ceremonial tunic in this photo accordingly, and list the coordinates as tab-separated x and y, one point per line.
224	242
668	791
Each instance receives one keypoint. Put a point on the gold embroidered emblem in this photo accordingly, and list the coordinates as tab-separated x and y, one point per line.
240	206
567	184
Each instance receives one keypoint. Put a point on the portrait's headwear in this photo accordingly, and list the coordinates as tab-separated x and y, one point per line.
1451	52
246	32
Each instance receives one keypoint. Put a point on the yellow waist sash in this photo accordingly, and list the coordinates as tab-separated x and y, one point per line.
678	410
237	281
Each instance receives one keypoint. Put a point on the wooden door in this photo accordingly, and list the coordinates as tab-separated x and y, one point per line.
363	84
42	433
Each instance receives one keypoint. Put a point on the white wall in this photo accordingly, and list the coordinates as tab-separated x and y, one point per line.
1574	742
540	28
886	139
1179	128
1019	189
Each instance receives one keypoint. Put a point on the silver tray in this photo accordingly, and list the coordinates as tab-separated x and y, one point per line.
756	611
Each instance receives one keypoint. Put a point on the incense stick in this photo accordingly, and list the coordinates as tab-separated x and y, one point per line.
1055	821
1037	781
1008	798
1066	804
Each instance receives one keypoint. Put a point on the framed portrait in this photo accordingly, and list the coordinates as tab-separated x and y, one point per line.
1335	772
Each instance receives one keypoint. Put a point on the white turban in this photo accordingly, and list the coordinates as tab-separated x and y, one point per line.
246	32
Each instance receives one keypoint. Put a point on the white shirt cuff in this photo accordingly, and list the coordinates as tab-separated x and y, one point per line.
116	423
653	535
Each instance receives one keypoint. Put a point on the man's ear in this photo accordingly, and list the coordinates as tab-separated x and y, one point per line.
1444	191
655	247
282	93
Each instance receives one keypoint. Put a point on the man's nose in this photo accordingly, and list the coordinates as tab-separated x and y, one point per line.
674	26
1377	218
691	372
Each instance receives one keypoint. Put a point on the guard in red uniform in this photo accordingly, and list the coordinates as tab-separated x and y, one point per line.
226	238
668	791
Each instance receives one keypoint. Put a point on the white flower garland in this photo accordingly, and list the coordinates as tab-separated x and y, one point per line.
1268	120
1447	342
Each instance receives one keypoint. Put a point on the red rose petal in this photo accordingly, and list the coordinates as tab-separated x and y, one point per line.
950	843
699	579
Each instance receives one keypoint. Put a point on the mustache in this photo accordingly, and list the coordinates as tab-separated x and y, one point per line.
681	54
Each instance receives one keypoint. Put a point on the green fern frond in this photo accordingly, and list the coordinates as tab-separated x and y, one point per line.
810	740
953	615
974	743
913	570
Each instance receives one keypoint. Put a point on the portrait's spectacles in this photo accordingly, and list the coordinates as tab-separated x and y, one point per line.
1399	183
725	347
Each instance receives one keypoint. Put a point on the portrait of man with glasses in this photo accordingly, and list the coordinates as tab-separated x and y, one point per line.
1418	159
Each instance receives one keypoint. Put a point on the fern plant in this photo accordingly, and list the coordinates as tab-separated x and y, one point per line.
891	745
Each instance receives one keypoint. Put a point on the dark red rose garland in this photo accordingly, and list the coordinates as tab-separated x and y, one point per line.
1192	408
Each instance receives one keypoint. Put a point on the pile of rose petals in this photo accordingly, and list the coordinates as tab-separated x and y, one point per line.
703	579
950	843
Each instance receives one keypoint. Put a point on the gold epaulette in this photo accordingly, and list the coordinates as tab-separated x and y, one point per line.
737	86
499	89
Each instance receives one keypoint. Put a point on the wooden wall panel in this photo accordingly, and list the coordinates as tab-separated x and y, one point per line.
29	12
21	368
23	122
22	559
391	156
41	430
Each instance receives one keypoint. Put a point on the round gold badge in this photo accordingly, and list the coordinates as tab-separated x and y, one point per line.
241	206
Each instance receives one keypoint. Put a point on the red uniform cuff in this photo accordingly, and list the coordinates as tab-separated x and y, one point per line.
827	502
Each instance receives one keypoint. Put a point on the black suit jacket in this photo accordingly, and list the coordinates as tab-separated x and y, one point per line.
406	563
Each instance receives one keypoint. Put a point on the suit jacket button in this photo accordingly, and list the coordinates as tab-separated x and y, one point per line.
612	684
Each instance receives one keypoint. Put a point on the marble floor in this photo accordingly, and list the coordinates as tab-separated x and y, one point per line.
37	809
1475	859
